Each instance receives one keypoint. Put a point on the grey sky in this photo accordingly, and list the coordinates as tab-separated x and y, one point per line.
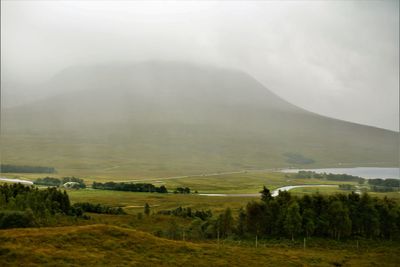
339	59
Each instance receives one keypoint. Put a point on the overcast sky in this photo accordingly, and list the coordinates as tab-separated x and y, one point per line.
339	59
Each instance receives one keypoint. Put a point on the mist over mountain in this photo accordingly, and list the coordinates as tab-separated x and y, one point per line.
172	117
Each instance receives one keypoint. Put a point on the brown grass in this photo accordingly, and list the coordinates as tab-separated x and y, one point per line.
105	245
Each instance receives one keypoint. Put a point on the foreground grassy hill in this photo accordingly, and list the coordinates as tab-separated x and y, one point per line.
164	119
103	245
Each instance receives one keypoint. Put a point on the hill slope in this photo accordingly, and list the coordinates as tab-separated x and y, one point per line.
102	245
166	118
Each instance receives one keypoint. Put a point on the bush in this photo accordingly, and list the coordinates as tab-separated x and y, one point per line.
49	181
16	219
131	187
98	208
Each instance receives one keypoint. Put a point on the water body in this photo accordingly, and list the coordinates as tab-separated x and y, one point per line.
274	193
15	180
364	172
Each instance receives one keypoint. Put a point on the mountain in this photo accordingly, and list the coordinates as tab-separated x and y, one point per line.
167	118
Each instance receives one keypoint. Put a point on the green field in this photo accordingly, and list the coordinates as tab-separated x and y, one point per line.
240	182
229	183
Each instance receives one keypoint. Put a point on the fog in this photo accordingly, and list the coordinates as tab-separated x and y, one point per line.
338	59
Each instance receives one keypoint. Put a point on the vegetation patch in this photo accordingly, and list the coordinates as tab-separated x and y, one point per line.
7	168
98	208
116	246
68	182
294	158
26	206
131	187
384	185
329	176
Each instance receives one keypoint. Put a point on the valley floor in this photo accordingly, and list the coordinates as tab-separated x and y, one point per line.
126	240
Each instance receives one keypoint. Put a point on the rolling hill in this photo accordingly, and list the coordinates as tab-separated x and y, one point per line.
105	245
171	118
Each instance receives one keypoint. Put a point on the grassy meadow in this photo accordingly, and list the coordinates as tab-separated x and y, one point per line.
234	182
104	245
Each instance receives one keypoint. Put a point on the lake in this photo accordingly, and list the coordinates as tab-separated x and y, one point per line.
364	172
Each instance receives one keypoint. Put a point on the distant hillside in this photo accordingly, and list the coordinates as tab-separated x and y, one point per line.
167	118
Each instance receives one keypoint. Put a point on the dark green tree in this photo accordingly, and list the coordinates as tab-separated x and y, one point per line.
241	223
308	221
292	222
265	194
225	223
339	221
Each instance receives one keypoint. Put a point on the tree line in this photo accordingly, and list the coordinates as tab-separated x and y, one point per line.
188	213
25	206
99	208
7	168
384	185
71	182
336	216
131	187
339	216
376	185
182	190
328	176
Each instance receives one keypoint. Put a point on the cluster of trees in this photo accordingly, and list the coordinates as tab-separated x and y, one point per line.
344	177
329	176
208	227
376	185
385	182
384	185
182	190
188	213
98	208
131	187
48	181
24	206
16	219
70	182
334	216
285	216
7	168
